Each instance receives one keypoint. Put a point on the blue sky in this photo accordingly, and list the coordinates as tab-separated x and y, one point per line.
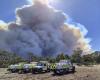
86	12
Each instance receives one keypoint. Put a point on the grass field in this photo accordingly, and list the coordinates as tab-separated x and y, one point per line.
82	73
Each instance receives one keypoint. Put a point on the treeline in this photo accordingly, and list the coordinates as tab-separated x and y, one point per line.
7	58
77	57
89	59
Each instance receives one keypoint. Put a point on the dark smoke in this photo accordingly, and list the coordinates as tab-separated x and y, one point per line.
41	30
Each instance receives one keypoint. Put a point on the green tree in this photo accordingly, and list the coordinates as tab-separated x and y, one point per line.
52	60
31	57
96	56
62	56
76	56
88	59
7	58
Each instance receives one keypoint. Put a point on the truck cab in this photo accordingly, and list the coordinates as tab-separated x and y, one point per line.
42	66
28	68
64	66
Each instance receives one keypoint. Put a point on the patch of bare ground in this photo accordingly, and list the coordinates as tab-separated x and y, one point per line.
82	73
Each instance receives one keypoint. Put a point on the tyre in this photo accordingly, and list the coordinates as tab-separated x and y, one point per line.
73	69
59	72
13	70
33	71
48	70
66	71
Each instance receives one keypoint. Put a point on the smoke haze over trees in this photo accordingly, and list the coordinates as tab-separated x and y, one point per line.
41	30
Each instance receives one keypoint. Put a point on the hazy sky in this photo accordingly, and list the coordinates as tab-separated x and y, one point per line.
86	12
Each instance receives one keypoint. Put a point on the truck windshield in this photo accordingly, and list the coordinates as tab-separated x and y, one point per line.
40	64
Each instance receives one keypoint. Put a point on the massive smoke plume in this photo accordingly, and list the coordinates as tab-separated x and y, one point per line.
41	30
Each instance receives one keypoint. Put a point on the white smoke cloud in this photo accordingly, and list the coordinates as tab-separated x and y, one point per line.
40	29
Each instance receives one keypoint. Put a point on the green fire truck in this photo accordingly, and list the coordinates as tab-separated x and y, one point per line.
64	66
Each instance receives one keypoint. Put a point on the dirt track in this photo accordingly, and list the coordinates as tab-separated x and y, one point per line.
82	73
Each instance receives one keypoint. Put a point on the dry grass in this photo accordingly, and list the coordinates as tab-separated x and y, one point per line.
82	73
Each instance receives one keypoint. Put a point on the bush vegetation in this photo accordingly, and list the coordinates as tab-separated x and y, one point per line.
7	58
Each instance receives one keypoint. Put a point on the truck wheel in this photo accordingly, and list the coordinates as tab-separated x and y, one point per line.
12	71
66	71
73	69
55	72
33	71
58	72
48	70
